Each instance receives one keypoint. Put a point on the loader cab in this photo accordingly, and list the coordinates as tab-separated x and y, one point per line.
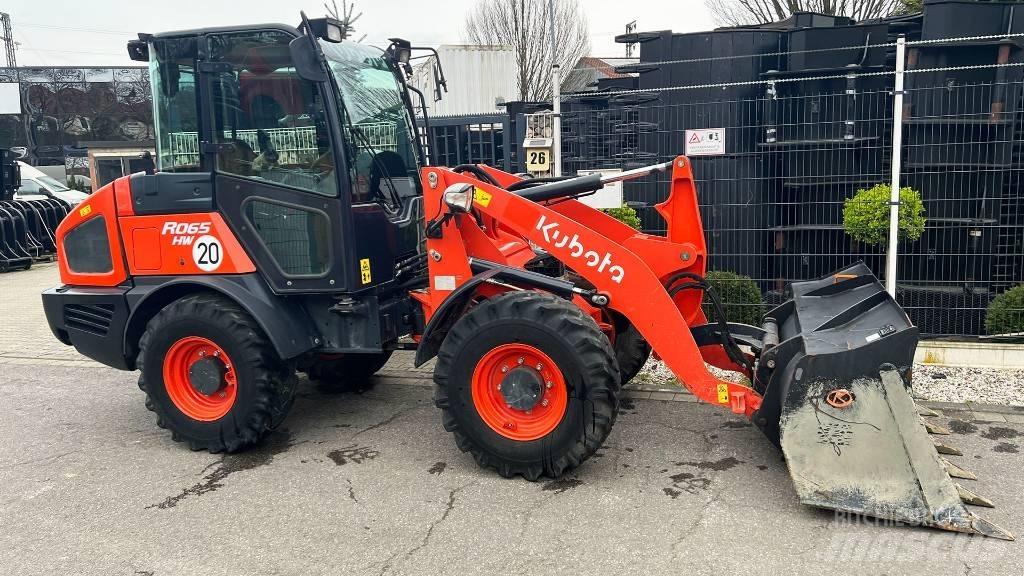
317	176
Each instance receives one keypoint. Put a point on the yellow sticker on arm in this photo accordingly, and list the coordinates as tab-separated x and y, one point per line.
723	394
85	211
481	197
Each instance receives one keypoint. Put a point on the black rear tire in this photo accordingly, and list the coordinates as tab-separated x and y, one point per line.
631	350
348	373
265	386
580	351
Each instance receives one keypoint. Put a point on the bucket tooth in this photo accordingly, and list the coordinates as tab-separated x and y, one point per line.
947	449
956	471
923	411
986	528
935	428
971	498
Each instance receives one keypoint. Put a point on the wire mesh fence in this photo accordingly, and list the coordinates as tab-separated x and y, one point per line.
796	151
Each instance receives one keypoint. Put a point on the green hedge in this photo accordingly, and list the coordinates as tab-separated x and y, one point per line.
866	215
1006	312
739	295
625	214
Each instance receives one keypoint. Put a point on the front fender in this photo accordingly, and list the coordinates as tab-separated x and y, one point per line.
447	314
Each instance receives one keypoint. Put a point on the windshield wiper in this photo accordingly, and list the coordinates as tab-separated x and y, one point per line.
392	188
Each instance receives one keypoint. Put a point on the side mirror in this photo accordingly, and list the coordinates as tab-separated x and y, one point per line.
306	61
170	75
437	84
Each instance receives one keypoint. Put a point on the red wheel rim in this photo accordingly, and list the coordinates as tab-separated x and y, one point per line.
510	422
193	403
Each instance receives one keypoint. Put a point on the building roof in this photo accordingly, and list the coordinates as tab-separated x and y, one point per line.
589	69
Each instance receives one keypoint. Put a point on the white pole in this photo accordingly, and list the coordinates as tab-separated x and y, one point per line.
556	97
897	144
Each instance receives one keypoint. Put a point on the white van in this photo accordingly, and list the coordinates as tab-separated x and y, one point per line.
35	184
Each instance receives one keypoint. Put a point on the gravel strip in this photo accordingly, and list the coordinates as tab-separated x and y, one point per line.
1002	386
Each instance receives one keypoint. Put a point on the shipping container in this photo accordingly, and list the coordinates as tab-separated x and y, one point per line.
479	78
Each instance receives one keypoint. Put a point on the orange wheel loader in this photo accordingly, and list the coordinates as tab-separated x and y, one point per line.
294	224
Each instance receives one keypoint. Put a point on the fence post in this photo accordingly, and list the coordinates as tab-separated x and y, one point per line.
556	98
897	148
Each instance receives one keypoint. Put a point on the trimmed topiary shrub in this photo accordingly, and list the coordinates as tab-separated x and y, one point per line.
740	297
1005	314
625	214
866	215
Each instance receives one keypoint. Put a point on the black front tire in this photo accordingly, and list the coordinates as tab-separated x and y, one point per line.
265	385
578	348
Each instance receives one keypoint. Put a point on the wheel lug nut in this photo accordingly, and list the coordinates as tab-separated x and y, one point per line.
216	353
504	369
548	384
521	359
529	411
544	402
202	353
540	367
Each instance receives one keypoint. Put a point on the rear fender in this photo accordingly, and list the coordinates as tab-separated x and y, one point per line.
285	323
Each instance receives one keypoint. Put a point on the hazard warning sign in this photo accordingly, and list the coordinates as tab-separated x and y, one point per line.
705	142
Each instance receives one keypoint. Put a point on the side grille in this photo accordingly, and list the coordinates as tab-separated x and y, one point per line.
94	319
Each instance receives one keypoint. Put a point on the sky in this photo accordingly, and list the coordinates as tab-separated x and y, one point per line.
94	32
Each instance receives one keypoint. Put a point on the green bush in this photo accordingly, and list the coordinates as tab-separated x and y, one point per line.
740	297
626	215
1006	312
866	215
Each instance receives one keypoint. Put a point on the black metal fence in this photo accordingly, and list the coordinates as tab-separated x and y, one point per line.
772	205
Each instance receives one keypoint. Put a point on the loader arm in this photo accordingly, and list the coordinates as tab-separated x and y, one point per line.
626	266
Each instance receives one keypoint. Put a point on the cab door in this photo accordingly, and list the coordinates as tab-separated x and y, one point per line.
266	134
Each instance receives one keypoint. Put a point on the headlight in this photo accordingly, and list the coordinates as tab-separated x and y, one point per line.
459	197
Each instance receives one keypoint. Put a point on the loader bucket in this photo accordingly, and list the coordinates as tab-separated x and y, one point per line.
837	401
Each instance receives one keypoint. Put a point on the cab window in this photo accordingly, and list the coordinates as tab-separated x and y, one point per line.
268	123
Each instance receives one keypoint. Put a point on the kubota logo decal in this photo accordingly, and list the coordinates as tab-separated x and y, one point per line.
185	232
559	239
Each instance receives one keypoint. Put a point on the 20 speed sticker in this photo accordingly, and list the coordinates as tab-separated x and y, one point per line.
207	253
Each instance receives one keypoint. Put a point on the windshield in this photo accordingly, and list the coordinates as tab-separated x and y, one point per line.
372	97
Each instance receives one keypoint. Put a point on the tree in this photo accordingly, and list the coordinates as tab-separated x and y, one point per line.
524	25
740	12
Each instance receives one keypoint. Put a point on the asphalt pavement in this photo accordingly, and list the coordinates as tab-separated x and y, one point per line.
372	484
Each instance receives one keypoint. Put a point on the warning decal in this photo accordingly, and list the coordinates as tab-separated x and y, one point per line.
705	142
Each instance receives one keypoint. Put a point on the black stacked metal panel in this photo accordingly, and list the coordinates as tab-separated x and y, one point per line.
699	83
825	122
961	129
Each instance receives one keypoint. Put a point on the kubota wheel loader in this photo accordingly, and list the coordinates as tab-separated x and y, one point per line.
294	224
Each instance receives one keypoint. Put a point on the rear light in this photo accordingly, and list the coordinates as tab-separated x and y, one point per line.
87	248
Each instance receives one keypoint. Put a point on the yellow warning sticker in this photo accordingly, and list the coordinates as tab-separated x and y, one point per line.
723	394
85	211
364	270
481	197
